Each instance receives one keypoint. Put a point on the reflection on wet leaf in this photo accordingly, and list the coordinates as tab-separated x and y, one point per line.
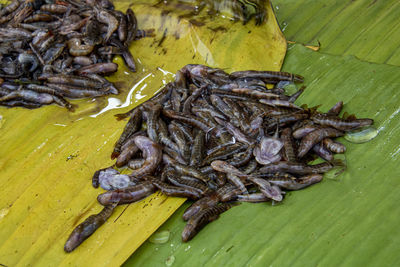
160	237
170	260
362	136
2	120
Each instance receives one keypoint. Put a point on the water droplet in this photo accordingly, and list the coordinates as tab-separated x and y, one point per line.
188	247
4	212
170	260
160	237
362	136
2	120
284	24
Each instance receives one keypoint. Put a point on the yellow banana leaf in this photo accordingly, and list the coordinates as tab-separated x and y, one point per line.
48	155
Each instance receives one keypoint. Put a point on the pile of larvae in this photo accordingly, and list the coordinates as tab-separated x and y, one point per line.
52	50
219	139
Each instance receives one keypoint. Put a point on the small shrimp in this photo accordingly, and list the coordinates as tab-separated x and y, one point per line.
179	138
77	92
254	93
186	170
220	105
279	103
98	68
163	135
83	60
188	102
341	124
242	158
122	27
71	80
200	205
23	11
266	188
131	127
296	184
152	153
201	219
288	144
235	180
237	133
127	151
228	192
223	151
220	179
267	76
53	53
300	168
186	181
306	129
250	168
125	53
106	85
222	166
315	137
109	50
30	96
336	109
153	112
87	228
76	48
57	97
296	95
175	100
322	152
189	119
334	146
175	191
72	27
54	8
197	149
242	117
14	33
92	32
136	163
174	154
127	195
253	198
10	8
107	18
39	17
213	112
131	26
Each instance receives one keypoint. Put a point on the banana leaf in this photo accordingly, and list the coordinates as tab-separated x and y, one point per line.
48	155
367	29
350	220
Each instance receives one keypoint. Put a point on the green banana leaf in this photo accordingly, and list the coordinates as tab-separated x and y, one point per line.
351	220
367	29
